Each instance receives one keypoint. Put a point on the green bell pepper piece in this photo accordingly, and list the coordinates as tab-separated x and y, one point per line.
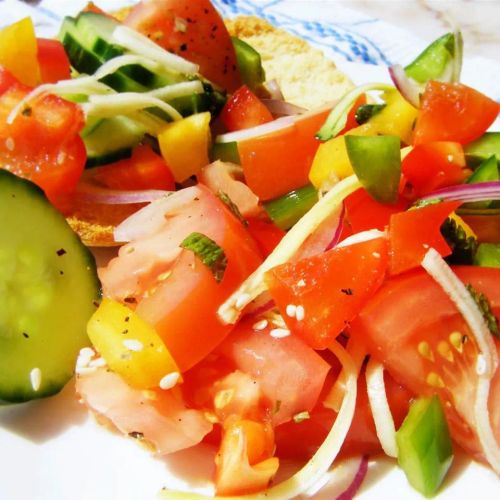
487	255
424	445
249	63
286	210
225	151
483	148
376	160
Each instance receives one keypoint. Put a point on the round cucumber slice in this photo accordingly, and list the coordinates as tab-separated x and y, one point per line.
49	286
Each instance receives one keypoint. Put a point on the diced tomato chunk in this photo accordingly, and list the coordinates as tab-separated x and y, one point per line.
328	289
277	163
453	112
266	234
413	232
53	61
244	110
433	165
144	170
193	30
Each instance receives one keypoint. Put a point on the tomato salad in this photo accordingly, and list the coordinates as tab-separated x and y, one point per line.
289	283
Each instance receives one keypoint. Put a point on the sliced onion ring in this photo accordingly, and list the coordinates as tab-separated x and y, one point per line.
407	87
467	192
279	107
87	193
349	493
274	89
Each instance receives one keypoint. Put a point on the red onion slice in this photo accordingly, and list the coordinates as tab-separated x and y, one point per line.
274	89
88	193
349	493
407	87
467	192
338	229
282	108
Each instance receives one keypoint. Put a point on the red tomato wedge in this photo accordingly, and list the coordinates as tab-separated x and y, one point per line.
144	170
193	30
157	416
244	110
42	144
277	163
425	344
266	234
413	232
286	369
53	61
174	291
453	112
365	213
329	289
432	166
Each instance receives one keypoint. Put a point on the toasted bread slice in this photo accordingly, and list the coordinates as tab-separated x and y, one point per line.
306	77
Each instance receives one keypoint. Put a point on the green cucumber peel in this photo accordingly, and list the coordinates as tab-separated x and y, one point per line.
424	445
487	255
337	119
483	148
286	210
376	161
209	252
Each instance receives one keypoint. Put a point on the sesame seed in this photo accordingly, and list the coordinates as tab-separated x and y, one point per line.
223	398
164	276
242	301
84	357
133	345
85	370
301	283
300	313
260	325
279	333
36	378
425	245
480	365
290	310
10	144
376	255
450	158
61	157
98	363
169	380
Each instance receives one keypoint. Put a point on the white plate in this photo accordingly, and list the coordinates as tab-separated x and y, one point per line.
52	450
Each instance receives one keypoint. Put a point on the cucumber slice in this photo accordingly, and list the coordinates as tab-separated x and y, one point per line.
111	140
50	289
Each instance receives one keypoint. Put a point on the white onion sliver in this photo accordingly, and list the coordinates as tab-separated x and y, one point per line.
274	90
436	266
254	285
407	87
142	45
116	63
177	90
116	197
124	103
382	416
267	128
282	108
370	234
149	219
316	468
485	433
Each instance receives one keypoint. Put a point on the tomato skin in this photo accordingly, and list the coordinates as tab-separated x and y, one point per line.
432	166
144	170
53	61
412	335
413	232
244	110
277	163
266	234
43	144
364	213
453	112
193	30
331	287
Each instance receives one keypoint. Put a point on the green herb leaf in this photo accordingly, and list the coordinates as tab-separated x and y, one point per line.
366	111
232	206
211	254
485	307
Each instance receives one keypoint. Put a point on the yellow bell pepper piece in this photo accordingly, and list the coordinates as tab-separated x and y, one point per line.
184	145
130	346
331	162
18	52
